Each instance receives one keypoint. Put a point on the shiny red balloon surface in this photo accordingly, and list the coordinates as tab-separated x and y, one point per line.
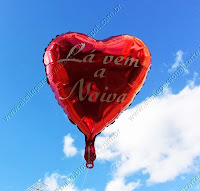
94	81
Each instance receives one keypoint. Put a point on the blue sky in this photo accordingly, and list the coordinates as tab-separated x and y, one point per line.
32	140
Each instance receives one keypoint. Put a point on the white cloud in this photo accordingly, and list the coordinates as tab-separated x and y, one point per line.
119	185
162	141
106	152
56	180
69	148
178	61
52	181
70	187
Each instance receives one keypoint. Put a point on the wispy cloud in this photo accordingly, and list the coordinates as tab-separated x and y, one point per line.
192	82
69	149
178	61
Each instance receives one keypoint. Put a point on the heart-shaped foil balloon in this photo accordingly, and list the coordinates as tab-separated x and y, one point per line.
94	81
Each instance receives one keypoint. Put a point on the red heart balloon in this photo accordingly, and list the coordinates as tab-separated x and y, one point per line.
94	81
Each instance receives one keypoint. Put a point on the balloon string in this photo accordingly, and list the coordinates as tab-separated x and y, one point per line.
84	179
